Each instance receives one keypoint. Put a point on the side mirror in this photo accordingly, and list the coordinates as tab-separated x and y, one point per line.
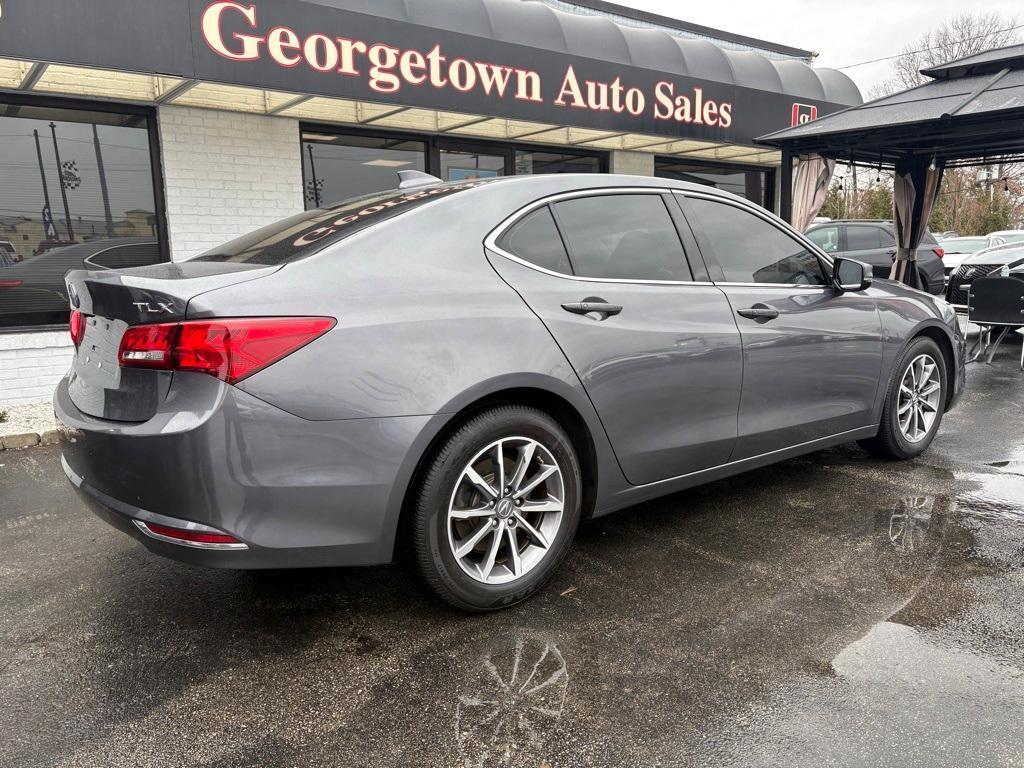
851	275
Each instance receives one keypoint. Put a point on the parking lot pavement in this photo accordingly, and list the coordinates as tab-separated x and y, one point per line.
831	610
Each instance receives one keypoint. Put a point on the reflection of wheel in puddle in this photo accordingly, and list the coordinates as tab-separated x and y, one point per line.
910	521
510	703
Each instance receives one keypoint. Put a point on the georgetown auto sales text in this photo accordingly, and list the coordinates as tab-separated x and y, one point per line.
388	69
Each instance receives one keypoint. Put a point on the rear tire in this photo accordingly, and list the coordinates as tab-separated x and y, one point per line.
914	403
487	533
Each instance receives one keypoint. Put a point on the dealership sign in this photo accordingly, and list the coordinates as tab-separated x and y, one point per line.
388	68
317	49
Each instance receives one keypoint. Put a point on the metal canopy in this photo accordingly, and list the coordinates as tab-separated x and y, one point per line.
971	112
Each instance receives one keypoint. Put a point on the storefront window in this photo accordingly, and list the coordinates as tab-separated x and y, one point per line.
342	166
77	193
750	183
465	166
555	162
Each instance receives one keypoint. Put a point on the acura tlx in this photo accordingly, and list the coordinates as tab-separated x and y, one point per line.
470	369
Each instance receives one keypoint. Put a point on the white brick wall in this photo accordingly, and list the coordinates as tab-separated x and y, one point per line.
226	174
632	163
31	364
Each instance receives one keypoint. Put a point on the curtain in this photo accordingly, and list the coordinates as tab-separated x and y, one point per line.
914	193
810	187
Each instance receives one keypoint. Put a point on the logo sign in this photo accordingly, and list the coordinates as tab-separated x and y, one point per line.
803	113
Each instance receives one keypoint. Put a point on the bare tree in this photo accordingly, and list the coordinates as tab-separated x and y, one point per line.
960	36
964	204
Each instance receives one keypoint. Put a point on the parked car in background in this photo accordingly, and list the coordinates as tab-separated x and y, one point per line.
980	264
957	248
471	368
9	255
33	290
1009	235
872	241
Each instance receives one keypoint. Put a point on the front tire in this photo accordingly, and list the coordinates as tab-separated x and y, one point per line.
497	509
914	403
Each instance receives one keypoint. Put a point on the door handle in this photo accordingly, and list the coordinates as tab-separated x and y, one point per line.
589	305
758	313
891	252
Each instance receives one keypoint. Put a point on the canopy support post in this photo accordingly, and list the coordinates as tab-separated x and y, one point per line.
786	186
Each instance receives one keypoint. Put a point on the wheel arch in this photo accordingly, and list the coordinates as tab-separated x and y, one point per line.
941	336
553	399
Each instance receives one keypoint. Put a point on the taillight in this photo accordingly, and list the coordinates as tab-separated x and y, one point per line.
77	327
194	535
229	349
11	283
940	252
198	537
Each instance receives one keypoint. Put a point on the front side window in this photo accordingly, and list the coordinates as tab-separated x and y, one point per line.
622	237
535	239
76	184
826	238
751	250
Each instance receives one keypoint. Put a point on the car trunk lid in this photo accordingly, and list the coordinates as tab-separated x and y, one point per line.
110	302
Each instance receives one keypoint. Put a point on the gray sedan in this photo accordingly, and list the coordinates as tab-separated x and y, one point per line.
471	369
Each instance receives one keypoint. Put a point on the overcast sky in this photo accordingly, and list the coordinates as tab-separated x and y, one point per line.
842	32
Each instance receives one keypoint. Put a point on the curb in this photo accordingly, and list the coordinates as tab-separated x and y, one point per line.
29	440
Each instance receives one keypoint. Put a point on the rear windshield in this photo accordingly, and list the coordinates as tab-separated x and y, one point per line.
306	233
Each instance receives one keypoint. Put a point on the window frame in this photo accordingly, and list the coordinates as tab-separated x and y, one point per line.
687	243
150	113
707	250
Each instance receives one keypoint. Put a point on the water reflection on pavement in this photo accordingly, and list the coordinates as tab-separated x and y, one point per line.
832	610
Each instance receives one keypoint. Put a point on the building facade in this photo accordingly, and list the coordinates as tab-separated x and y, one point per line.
155	130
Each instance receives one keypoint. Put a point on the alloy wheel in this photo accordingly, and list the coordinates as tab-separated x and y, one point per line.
506	510
918	402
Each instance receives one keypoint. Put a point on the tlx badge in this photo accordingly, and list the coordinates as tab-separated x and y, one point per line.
154	308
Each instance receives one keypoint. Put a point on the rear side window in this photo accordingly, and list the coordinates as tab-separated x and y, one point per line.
306	233
535	239
863	238
622	237
751	250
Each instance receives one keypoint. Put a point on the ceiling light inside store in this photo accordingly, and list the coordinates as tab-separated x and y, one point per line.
381	163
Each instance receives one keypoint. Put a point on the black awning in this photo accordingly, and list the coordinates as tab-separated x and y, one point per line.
499	58
972	111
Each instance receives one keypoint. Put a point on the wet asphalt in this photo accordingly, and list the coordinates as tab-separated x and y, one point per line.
832	610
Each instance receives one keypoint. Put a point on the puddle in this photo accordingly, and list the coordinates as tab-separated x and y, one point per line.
909	523
999	498
1011	467
510	705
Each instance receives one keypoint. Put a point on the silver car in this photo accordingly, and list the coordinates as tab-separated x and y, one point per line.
474	368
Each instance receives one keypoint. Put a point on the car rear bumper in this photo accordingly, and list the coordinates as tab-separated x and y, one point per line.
297	493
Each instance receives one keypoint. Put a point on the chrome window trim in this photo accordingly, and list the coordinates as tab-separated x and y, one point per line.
491	241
